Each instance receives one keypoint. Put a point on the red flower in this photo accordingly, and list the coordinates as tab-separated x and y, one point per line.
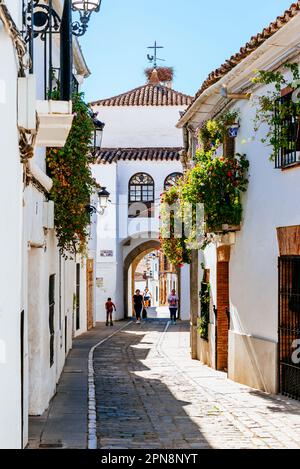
229	174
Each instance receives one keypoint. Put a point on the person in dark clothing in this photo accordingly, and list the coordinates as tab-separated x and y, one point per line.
138	304
109	306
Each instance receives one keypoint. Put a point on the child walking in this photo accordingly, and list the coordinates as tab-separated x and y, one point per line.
109	306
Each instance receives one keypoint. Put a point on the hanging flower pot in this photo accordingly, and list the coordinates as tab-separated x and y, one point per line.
233	130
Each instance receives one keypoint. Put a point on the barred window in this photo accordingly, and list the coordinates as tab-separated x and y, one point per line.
287	133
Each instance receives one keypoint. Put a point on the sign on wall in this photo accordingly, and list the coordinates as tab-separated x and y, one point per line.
107	253
99	282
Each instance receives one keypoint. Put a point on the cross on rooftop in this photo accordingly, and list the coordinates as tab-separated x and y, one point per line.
153	58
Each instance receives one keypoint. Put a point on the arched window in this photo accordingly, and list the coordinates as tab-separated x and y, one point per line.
172	180
141	196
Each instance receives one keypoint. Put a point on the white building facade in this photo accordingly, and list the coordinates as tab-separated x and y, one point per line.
11	316
140	150
43	296
262	258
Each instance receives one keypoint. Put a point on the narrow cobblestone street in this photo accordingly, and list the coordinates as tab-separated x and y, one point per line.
150	394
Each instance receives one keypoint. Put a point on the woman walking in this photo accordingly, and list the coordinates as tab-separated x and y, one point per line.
173	301
147	297
138	304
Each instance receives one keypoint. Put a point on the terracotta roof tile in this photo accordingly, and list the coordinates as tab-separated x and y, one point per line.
110	155
246	50
147	95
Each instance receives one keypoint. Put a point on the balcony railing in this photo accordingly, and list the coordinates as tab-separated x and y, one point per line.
287	132
42	27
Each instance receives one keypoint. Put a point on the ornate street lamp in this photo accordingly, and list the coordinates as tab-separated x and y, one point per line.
41	18
85	9
103	196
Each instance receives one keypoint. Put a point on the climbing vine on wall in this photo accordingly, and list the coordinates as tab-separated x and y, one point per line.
268	112
173	242
72	182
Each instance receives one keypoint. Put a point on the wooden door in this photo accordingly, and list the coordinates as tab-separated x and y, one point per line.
222	308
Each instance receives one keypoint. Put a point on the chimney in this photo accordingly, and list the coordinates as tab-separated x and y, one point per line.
153	78
160	75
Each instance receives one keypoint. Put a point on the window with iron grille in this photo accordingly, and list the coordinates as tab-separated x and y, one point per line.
51	316
141	196
287	132
289	326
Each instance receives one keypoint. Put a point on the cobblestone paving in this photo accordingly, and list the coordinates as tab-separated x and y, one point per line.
150	394
64	424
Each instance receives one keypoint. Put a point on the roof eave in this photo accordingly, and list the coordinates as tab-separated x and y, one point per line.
79	60
266	55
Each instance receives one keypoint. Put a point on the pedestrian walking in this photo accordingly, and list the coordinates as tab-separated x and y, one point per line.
144	314
138	304
109	306
173	301
147	297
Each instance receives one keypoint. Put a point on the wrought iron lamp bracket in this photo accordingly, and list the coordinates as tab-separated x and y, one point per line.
79	27
39	18
93	210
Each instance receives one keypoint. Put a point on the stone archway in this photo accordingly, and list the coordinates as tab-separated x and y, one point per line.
135	256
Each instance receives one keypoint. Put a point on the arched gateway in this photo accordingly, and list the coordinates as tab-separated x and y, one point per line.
140	156
133	259
130	264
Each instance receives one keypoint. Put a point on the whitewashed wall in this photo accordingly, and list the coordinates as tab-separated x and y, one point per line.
271	201
140	126
29	254
114	227
10	245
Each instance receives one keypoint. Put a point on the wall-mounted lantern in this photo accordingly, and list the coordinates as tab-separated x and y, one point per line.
103	196
98	131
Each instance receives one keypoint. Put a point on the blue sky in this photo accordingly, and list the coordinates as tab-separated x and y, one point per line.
198	35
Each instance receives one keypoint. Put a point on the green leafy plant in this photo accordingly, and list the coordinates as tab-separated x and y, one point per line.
203	321
272	114
213	132
173	244
72	182
217	182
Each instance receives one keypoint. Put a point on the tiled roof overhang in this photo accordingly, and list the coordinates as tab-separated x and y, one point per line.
251	46
147	95
112	155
